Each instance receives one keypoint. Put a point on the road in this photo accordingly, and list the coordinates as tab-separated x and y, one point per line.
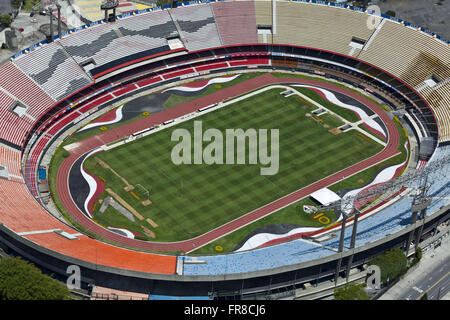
431	277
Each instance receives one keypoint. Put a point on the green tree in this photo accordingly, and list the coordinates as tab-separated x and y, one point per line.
5	19
392	263
351	292
417	257
419	253
390	13
21	280
161	3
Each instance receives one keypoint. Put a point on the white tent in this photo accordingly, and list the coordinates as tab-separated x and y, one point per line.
325	196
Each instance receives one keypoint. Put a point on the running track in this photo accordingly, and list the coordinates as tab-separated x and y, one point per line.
188	245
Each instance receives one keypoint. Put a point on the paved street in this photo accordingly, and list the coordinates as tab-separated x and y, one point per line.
432	277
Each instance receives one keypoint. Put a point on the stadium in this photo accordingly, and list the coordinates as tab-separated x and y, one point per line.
361	102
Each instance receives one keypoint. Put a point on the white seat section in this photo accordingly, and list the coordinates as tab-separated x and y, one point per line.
54	70
147	31
198	26
96	42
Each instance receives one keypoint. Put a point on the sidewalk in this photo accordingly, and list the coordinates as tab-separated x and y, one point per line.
430	260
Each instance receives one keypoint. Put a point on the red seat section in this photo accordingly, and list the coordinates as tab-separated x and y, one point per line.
25	90
13	128
236	22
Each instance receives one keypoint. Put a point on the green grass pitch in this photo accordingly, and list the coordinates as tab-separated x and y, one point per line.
189	200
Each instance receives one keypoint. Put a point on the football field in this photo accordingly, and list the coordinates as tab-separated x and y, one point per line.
188	200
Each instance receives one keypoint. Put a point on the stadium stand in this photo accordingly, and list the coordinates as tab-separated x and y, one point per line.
285	62
10	158
405	52
263	16
12	126
319	26
439	99
197	26
100	42
53	70
16	199
263	13
40	78
25	90
236	24
146	31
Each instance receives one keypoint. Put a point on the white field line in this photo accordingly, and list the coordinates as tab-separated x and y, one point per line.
219	105
354	125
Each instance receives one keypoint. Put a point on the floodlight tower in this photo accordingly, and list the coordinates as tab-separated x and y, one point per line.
50	11
420	204
58	7
419	181
341	247
352	242
345	217
110	5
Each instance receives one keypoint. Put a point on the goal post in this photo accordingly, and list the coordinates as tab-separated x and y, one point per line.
142	192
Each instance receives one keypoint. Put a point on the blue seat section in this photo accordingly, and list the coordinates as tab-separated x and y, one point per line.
390	220
440	189
398	215
260	259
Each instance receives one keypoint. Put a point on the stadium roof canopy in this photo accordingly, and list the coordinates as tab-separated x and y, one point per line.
325	196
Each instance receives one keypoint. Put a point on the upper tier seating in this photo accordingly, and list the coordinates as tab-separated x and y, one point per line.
102	43
198	26
54	70
146	31
263	16
439	99
236	24
405	52
263	13
25	90
319	26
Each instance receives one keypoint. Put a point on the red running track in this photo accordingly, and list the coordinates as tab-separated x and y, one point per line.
191	244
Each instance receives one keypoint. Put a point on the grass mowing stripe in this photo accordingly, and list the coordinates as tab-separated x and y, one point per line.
193	199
